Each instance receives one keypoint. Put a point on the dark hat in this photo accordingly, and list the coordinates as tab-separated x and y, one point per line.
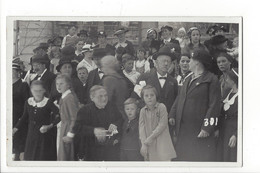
102	33
212	27
66	60
165	50
68	51
169	28
203	57
82	32
233	74
218	39
43	59
99	53
121	31
217	28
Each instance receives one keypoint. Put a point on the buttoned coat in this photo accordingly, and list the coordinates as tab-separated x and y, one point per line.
196	107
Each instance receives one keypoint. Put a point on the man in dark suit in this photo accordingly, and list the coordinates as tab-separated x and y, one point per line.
95	76
166	33
39	64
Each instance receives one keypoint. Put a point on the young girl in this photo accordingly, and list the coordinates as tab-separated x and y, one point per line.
39	111
130	143
68	110
153	128
228	127
141	65
184	71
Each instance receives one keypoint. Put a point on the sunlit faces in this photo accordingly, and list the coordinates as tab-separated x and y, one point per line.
223	63
37	92
72	30
193	64
100	98
131	110
66	69
79	45
62	85
149	97
82	74
163	63
166	34
184	63
195	36
128	65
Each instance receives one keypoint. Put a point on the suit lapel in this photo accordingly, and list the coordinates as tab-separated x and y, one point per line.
155	82
197	82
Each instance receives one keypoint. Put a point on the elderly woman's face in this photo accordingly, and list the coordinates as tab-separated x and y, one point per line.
223	64
100	98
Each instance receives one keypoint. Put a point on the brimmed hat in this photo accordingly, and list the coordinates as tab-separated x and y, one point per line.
102	33
65	60
203	57
218	39
217	28
82	32
68	52
211	27
169	28
87	48
165	50
40	59
121	31
233	74
99	53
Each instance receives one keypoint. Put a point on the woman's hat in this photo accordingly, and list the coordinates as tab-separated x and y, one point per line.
212	27
217	28
150	31
68	52
66	60
99	53
218	39
102	33
203	57
165	50
169	28
233	74
42	59
87	48
121	31
82	32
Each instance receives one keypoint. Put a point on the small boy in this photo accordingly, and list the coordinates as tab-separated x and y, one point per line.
130	143
71	38
81	85
128	64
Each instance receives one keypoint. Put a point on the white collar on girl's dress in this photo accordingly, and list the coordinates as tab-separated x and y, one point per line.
40	104
228	102
65	93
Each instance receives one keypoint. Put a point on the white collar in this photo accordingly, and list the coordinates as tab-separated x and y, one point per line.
65	93
43	72
228	102
161	75
40	104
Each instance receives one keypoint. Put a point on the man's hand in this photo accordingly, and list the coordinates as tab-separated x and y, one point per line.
172	121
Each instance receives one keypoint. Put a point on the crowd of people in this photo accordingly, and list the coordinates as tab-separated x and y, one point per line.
170	99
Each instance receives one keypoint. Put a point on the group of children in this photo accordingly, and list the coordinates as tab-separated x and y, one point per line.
84	125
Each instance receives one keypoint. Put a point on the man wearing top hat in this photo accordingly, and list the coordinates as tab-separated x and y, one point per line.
95	76
102	43
122	42
39	64
166	33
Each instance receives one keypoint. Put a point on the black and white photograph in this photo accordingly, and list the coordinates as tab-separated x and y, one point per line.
131	91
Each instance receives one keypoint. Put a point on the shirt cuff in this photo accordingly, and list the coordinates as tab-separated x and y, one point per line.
71	135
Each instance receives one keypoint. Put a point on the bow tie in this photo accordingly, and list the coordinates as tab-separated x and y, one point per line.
164	78
100	72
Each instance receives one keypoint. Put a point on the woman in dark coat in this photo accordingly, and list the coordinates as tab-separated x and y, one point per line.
21	93
122	42
195	111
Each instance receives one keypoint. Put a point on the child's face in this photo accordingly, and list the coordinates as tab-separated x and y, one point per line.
100	98
83	75
184	63
79	45
131	110
37	92
140	55
61	85
195	36
129	66
72	31
181	34
149	97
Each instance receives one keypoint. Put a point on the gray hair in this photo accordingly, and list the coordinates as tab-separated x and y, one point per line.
95	88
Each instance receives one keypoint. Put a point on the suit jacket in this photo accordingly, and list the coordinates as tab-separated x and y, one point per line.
168	93
129	48
93	79
176	46
48	78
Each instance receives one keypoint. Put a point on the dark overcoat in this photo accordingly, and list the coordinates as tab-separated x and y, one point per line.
93	79
197	107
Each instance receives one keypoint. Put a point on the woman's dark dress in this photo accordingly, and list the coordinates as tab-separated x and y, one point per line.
21	93
39	146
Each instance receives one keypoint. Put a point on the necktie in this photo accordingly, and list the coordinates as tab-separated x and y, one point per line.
100	72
